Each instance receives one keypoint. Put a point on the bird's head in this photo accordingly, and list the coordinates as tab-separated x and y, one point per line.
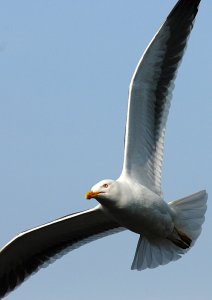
105	189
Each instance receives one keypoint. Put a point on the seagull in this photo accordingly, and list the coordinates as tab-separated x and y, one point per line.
134	201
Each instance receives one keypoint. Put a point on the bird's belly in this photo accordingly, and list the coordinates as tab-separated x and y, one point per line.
151	220
153	224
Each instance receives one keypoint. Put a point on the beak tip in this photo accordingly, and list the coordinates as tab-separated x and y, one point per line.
88	196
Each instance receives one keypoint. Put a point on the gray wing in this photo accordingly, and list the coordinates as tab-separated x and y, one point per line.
36	248
150	93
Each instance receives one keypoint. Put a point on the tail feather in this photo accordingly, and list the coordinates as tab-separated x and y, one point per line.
152	253
180	239
188	216
184	238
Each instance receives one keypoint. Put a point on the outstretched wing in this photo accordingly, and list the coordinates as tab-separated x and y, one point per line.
150	93
38	247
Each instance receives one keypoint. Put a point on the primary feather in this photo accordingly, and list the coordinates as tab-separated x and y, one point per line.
150	94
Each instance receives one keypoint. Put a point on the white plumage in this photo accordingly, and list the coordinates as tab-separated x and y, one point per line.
188	217
134	201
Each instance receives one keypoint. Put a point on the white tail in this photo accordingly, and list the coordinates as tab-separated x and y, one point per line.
188	216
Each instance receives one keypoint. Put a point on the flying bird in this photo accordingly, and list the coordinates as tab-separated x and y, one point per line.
134	201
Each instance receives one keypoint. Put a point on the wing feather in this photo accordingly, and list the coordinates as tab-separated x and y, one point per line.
150	94
40	246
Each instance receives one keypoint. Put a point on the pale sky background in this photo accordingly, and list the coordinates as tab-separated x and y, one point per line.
65	68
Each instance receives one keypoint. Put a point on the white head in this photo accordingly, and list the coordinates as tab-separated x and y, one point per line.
105	189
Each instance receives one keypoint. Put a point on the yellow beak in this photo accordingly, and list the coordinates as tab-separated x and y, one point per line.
90	195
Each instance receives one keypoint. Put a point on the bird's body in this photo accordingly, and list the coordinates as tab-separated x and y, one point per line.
134	201
131	208
167	230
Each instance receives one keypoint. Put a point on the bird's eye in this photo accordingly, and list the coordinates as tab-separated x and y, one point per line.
105	185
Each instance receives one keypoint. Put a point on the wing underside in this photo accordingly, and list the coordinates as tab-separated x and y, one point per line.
150	93
40	246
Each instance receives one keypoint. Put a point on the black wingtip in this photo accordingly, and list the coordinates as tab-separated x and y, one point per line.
184	8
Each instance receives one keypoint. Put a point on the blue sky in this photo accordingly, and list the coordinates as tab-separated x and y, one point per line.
65	68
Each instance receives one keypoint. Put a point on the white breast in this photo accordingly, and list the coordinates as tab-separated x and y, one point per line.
140	210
